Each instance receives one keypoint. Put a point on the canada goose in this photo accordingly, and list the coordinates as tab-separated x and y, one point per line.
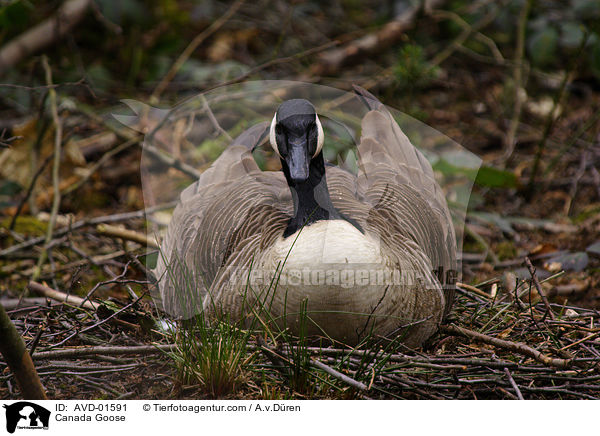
369	253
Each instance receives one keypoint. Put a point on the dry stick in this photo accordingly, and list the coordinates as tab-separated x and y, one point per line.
462	38
496	53
126	234
104	351
587	338
518	81
473	289
176	163
192	46
18	359
44	34
536	282
575	182
55	169
60	296
213	119
513	383
332	372
517	347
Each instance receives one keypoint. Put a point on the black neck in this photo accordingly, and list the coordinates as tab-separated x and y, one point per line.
311	198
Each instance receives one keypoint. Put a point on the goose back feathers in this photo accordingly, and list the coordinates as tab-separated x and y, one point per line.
226	248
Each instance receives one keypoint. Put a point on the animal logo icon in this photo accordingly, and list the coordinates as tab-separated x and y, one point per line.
25	414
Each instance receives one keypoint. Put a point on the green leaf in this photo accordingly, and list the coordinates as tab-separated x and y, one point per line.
542	46
495	178
486	176
9	188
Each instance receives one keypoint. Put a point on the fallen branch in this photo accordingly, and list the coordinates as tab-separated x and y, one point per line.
60	296
331	61
126	234
104	351
44	34
18	359
517	347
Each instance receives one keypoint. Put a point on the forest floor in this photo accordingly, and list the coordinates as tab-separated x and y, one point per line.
523	349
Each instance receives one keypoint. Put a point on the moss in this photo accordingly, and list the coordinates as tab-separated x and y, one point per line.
27	225
588	212
506	250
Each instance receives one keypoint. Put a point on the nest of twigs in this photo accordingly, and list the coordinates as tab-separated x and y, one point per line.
491	348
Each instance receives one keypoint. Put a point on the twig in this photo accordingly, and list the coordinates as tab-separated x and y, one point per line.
587	338
332	372
129	235
104	351
536	282
192	46
172	161
474	290
105	320
517	347
462	37
483	38
213	119
513	383
61	296
575	183
55	169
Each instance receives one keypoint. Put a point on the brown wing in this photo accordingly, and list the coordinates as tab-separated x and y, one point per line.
233	208
395	194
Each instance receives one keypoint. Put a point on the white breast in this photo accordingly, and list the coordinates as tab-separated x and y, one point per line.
327	242
338	270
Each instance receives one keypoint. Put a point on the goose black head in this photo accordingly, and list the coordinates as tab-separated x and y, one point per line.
296	135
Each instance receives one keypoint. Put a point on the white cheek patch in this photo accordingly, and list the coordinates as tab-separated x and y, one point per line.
320	135
272	139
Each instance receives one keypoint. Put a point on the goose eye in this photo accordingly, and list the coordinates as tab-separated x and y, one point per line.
278	129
